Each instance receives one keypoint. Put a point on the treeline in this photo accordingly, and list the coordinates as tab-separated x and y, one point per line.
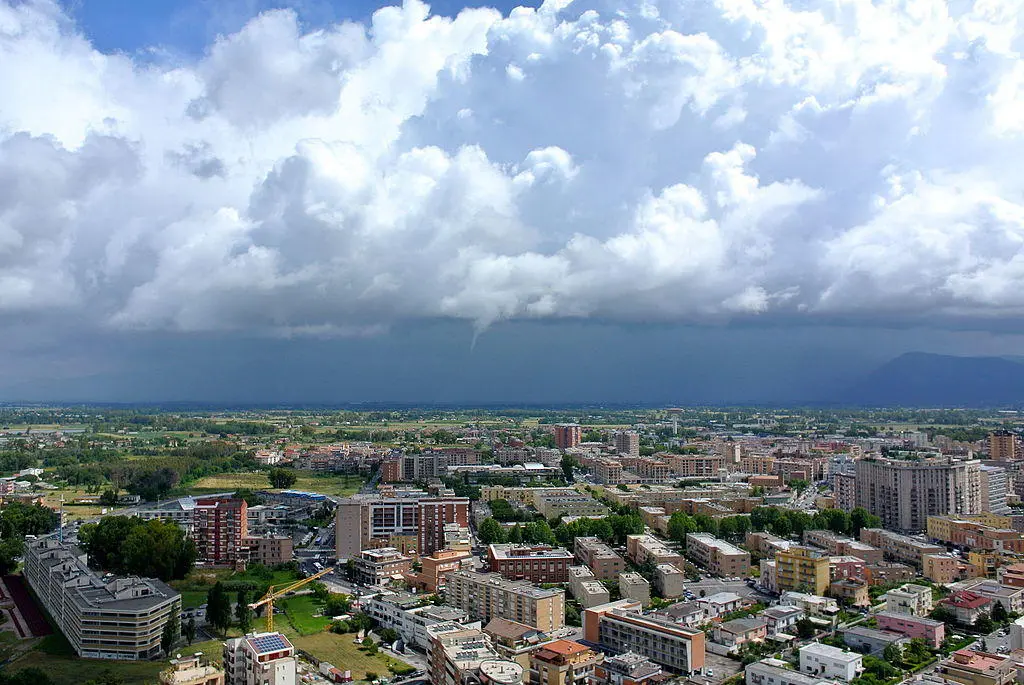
183	424
778	521
127	545
16	521
611	529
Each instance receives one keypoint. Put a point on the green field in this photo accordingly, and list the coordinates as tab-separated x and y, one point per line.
340	651
327	484
303	614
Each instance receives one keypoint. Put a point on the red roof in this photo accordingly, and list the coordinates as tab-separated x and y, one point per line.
965	600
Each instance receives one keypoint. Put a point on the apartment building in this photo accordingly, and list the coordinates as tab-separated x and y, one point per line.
635	587
259	659
568	435
718	557
782	619
904	493
619	627
607	471
366	521
191	670
802	569
536	563
588	591
576	504
408	615
488	595
994	489
563	662
911	599
627	442
844	489
119	618
669	580
524	496
946	568
381	566
931	631
757	464
779	672
766	544
644	548
1012	598
896	547
740	631
268	550
851	591
968	667
515	641
219	527
652	469
436	567
627	669
695	465
840	545
1003	446
832	663
460	655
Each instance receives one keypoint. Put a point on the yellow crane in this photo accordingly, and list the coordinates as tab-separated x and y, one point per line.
272	594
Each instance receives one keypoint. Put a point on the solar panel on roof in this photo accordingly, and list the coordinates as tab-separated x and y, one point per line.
268	643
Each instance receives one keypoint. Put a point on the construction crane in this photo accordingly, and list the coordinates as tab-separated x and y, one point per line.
272	594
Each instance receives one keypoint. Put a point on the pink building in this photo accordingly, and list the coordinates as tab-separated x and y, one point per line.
845	567
931	631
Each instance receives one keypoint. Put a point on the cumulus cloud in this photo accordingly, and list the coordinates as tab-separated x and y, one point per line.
647	160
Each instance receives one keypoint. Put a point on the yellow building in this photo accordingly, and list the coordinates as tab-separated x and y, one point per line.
985	562
802	569
563	662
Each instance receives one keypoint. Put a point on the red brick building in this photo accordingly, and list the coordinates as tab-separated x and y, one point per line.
536	563
220	526
568	435
433	515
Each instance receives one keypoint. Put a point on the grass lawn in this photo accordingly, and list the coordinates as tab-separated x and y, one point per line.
195	586
328	484
303	614
340	651
190	599
74	512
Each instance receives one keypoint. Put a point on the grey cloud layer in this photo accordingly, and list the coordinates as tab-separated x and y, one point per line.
641	160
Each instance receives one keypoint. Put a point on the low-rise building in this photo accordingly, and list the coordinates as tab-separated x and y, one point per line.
634	586
779	672
376	567
629	668
718	557
888	572
409	615
269	550
689	614
871	641
458	655
945	568
515	641
1012	598
977	668
782	619
191	670
931	631
850	591
813	605
259	659
912	599
720	603
436	567
669	580
585	587
840	545
576	504
802	569
563	662
647	548
826	661
535	563
966	606
766	544
739	631
901	548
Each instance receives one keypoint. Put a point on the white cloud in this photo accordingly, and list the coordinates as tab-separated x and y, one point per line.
646	160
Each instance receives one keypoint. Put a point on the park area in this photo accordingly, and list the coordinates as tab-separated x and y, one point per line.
340	485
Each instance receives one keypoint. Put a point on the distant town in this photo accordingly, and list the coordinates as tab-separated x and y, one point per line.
516	546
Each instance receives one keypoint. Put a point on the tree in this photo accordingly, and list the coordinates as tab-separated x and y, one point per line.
10	550
568	464
388	635
130	546
190	630
572	615
984	623
999	613
107	677
109	497
805	628
893	654
281	478
491	532
861	518
218	607
371	676
170	635
26	676
18	520
681	524
243	614
515	535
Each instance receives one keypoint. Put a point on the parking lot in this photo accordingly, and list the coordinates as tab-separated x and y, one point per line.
717	668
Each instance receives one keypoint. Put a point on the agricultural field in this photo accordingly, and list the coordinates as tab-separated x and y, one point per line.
341	485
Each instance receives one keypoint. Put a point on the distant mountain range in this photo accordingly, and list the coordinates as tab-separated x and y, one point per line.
919	379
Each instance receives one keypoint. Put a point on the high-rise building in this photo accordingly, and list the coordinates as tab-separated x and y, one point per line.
568	435
1003	446
366	521
844	489
259	659
904	493
102	618
627	442
994	490
220	526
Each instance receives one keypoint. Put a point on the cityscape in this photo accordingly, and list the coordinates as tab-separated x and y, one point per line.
590	546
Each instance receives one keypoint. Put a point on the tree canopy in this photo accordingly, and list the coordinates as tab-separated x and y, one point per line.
130	546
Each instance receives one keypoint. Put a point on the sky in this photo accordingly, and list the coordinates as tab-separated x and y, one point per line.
574	201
